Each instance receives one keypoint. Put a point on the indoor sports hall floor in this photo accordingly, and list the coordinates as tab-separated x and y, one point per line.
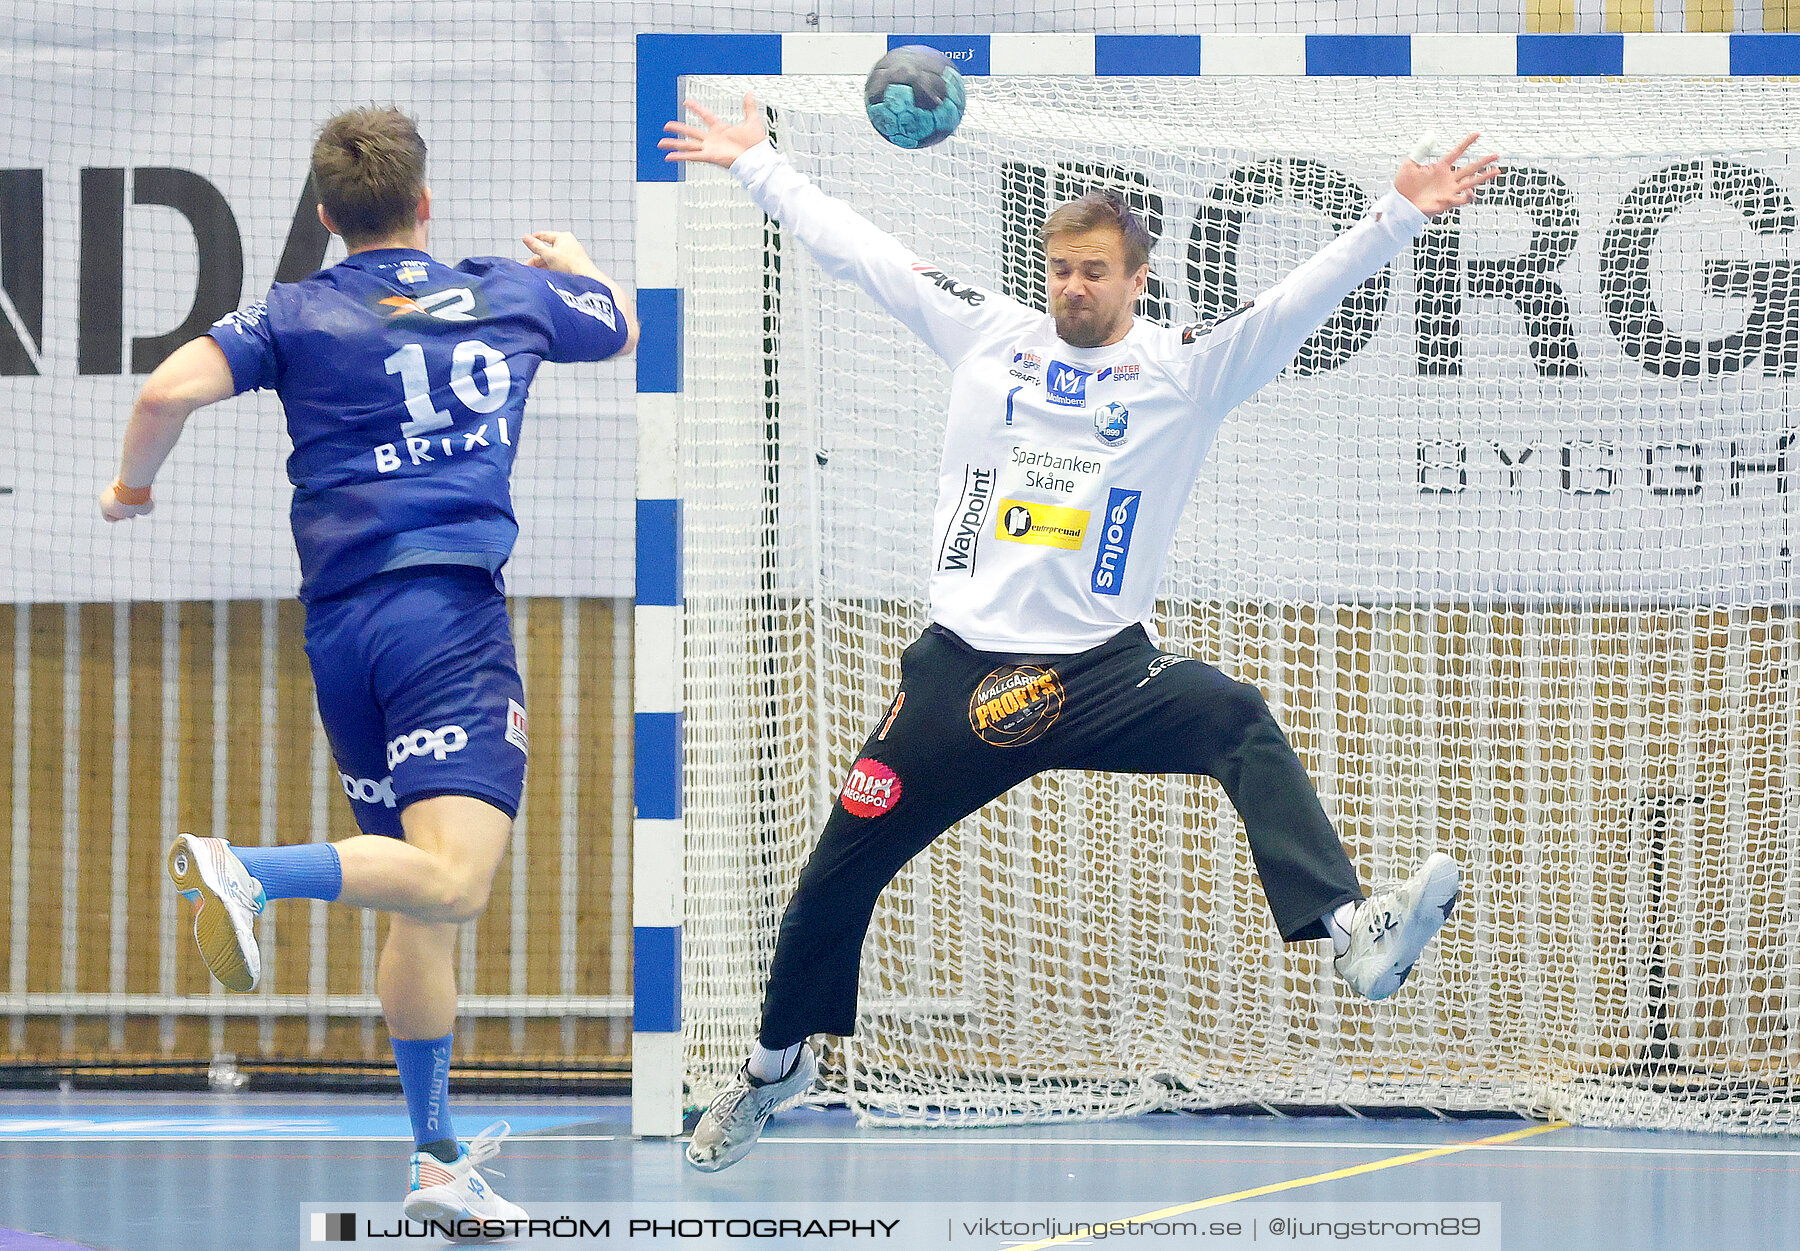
205	1172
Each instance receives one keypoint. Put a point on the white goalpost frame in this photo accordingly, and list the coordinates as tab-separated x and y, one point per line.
663	60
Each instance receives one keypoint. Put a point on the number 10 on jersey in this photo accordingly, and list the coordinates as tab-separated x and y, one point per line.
469	357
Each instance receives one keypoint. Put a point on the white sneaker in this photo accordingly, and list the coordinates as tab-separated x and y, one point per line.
736	1118
227	901
457	1191
1392	926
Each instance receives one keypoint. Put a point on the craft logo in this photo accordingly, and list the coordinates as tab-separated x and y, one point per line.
1046	525
871	790
1066	385
1109	424
1115	541
1015	704
963	536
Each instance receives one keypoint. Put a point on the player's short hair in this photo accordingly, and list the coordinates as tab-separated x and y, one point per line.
1091	212
368	170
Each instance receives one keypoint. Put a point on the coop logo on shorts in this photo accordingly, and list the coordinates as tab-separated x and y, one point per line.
368	790
436	743
515	727
1115	540
871	789
1046	525
1015	704
1066	385
1109	424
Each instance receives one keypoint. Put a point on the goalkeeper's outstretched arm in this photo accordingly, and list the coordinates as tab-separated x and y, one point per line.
194	375
1244	351
950	316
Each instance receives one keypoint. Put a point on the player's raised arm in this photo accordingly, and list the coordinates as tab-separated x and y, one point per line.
562	253
194	375
1237	355
950	315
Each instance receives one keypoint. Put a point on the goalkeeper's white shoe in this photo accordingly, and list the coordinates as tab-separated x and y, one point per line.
736	1118
457	1192
1392	926
227	901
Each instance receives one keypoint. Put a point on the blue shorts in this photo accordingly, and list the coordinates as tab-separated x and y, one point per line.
419	691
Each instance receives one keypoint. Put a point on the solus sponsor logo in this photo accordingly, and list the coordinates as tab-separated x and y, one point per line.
1115	540
963	539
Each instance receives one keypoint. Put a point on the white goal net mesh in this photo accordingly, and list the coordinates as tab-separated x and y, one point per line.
1508	550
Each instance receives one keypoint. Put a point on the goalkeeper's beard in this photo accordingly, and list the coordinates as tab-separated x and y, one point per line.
1088	326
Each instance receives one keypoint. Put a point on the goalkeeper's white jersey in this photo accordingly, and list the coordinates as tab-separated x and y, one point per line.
1065	469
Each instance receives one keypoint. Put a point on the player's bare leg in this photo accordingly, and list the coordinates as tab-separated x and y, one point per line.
444	869
457	843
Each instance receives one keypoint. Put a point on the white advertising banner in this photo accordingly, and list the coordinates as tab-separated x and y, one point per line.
151	183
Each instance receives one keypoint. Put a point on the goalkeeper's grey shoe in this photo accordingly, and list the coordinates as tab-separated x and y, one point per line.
736	1118
1392	926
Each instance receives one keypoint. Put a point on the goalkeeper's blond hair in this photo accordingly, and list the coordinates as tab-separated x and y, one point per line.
1093	211
368	170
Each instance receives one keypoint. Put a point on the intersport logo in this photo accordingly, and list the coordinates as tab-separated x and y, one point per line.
439	743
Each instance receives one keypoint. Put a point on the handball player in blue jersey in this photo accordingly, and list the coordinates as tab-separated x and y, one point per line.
404	383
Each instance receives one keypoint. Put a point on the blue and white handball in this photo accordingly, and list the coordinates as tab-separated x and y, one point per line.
915	97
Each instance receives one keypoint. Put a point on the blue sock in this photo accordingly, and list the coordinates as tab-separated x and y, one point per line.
297	871
424	1065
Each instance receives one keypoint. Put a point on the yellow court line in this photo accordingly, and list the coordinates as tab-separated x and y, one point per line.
1354	1170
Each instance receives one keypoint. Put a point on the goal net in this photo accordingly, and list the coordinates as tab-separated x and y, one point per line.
1508	549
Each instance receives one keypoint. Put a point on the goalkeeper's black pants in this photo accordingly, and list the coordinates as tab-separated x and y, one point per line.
966	726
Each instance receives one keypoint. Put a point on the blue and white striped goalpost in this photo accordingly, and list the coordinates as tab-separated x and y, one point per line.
662	61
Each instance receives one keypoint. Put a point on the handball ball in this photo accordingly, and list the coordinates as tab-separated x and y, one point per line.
915	97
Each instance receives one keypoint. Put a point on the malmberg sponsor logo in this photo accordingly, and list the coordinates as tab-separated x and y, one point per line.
963	537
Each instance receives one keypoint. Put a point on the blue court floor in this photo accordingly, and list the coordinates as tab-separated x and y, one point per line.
198	1173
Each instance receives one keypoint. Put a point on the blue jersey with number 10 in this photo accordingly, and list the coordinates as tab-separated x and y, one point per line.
404	381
